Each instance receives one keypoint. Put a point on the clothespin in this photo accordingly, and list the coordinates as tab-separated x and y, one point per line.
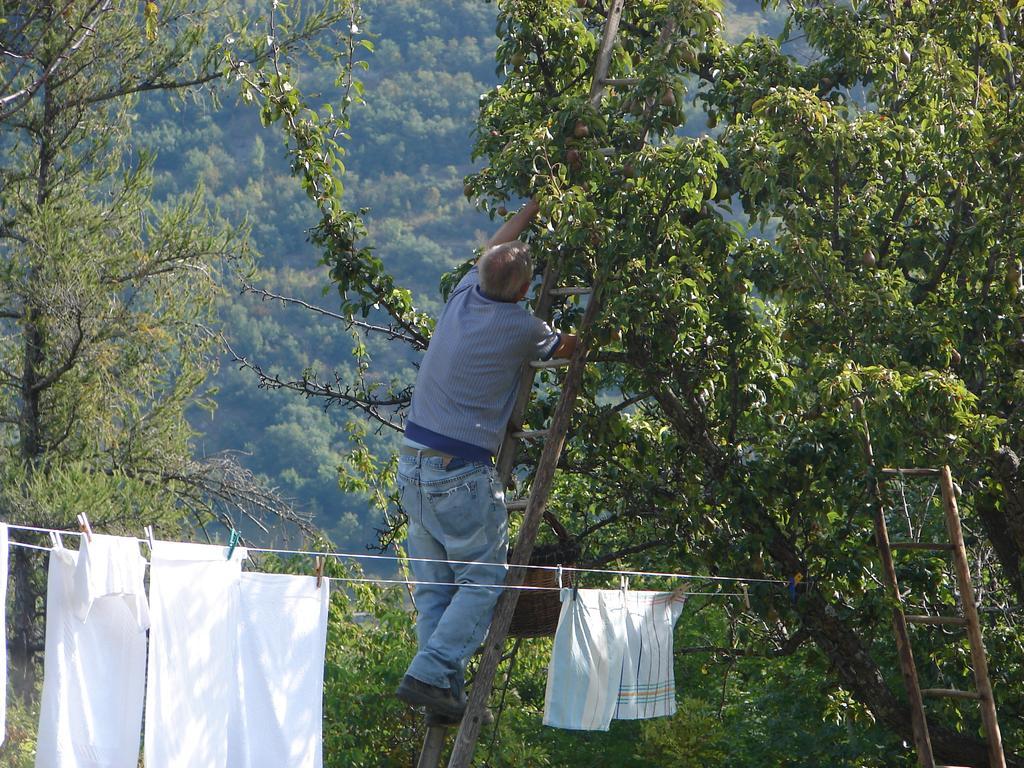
559	573
318	570
677	593
56	540
232	542
746	596
623	582
792	584
148	530
84	527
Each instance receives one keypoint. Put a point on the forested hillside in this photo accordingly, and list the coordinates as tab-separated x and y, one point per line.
408	155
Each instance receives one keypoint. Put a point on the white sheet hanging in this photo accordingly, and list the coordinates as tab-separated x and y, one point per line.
281	642
3	631
93	674
192	686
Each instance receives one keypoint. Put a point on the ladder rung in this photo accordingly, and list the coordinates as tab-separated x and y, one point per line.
950	693
557	362
937	547
571	291
530	434
621	80
911	471
938	621
516	505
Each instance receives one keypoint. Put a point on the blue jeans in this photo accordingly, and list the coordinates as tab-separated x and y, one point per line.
455	513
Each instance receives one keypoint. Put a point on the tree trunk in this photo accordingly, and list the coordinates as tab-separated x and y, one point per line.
1004	523
25	627
28	592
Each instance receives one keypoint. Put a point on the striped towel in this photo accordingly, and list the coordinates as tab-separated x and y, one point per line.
647	687
612	657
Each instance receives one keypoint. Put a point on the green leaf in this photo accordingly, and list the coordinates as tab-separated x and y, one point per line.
150	15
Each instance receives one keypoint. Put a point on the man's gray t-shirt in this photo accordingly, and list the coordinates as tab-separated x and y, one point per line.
466	385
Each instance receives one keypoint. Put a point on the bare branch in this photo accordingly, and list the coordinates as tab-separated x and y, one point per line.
340	392
220	487
149	85
390	331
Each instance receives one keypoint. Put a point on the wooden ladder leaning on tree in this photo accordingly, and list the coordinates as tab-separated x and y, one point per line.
554	437
982	692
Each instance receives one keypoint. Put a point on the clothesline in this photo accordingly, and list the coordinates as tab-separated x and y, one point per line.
14	543
367	556
395	582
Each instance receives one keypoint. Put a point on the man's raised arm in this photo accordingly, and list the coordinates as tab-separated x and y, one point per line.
514	227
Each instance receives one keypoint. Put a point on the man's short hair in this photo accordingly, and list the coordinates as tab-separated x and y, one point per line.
504	269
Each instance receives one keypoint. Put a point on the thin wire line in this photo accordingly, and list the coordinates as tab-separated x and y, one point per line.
687	576
396	582
653	574
14	543
355	556
44	530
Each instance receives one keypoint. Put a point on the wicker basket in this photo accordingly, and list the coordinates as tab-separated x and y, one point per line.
536	613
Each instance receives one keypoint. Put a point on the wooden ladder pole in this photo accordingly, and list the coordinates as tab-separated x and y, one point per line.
604	51
433	747
483	680
982	683
918	720
506	459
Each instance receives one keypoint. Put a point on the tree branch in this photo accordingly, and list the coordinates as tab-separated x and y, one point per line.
788	648
390	331
624	552
72	358
10	103
310	387
149	85
952	238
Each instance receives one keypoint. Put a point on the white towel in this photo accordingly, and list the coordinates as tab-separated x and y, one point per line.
612	657
192	685
648	687
586	660
3	631
94	675
111	566
281	643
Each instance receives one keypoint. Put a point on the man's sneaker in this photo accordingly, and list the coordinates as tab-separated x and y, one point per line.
438	700
434	719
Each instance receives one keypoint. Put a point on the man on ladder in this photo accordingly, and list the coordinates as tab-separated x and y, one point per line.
464	394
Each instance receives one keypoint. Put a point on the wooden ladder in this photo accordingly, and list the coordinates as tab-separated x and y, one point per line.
554	439
982	692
